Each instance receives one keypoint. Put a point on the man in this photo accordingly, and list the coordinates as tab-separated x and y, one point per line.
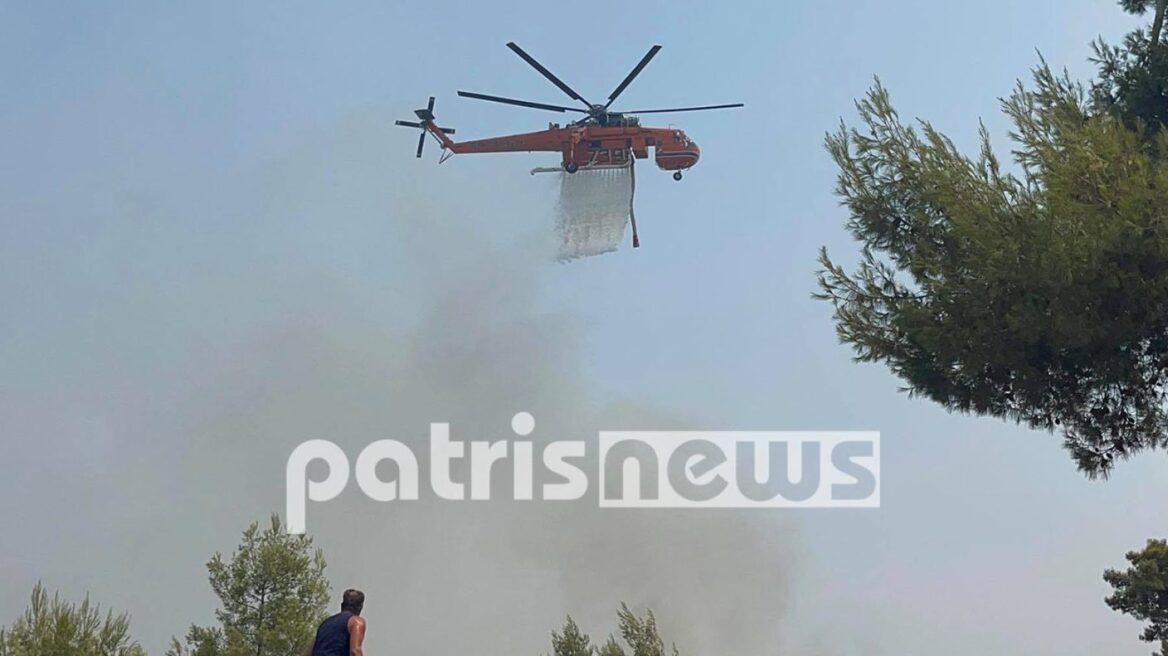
343	633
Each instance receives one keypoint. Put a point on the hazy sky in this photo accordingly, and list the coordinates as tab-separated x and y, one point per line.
215	245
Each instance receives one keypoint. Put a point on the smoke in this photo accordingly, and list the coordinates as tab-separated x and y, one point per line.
353	297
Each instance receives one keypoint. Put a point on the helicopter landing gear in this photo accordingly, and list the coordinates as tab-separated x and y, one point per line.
677	175
571	167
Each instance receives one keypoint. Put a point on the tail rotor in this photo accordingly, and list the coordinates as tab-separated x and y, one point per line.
427	123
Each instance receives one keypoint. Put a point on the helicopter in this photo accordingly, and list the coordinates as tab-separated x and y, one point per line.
601	139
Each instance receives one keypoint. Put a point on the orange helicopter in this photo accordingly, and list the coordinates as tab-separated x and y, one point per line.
601	139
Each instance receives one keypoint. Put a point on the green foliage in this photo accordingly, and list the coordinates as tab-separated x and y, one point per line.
52	627
1133	79
570	641
1142	591
1040	296
639	633
199	642
611	648
273	594
1140	6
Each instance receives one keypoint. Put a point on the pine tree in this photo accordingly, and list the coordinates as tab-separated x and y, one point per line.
570	641
1133	79
1142	591
1039	295
273	593
54	627
639	633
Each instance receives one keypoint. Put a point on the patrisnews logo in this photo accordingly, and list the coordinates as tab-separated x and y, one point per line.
743	469
635	469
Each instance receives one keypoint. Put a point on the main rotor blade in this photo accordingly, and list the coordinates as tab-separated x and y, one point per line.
421	142
408	124
680	109
636	71
521	103
548	74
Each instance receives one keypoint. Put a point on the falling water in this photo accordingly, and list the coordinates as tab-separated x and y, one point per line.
592	211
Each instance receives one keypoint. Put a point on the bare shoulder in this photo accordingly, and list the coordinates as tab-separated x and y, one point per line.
356	621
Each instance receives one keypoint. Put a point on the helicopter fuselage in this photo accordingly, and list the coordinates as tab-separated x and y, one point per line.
590	145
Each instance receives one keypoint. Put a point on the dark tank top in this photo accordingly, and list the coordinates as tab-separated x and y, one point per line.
332	638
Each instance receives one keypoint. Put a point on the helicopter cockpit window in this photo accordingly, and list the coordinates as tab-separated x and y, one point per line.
677	136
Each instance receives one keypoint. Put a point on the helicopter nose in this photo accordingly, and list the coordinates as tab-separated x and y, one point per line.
678	159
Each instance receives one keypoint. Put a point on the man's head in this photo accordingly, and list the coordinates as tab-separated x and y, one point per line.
353	601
